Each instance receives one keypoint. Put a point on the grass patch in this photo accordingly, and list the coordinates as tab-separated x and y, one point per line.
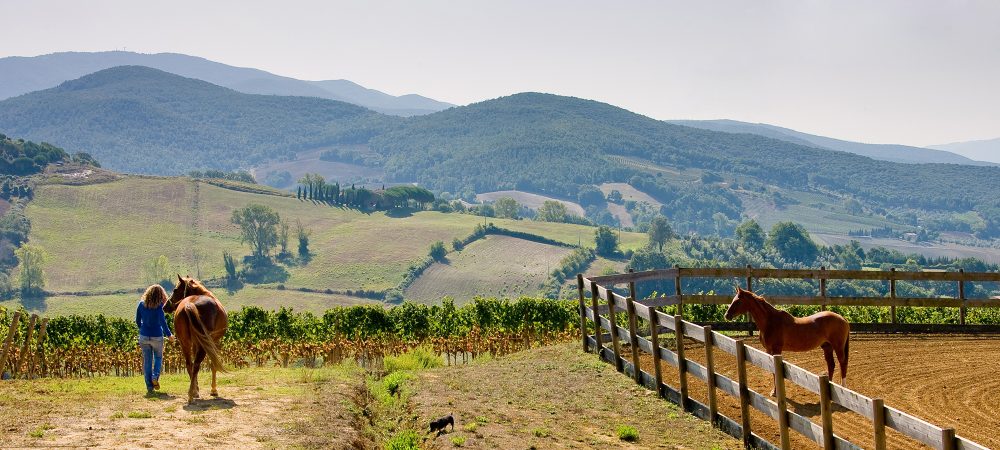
415	359
458	441
39	432
628	433
541	432
139	415
404	440
471	427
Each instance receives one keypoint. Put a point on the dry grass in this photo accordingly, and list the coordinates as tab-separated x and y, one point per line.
259	408
554	397
498	266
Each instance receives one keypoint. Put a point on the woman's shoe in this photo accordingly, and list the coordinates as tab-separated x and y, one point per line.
156	384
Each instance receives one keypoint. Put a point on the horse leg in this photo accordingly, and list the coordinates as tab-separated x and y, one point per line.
775	350
828	354
215	391
842	354
199	357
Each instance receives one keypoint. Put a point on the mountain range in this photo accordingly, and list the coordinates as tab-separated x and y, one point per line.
886	152
21	75
139	119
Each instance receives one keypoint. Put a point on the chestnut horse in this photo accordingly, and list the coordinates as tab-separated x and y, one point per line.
780	331
199	323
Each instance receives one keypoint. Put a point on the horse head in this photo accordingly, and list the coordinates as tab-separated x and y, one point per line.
740	304
186	287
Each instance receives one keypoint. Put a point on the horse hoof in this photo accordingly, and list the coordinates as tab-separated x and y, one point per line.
215	394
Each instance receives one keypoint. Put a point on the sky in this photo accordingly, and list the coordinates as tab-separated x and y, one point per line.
908	72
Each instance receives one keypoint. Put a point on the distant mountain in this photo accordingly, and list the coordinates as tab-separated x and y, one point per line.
21	75
143	120
885	152
985	150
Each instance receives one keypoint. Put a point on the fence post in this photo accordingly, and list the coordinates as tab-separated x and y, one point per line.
892	293
948	439
598	331
633	326
878	421
619	366
779	391
677	290
583	311
5	352
826	411
26	347
681	362
961	296
741	372
713	408
37	348
744	318
822	287
654	338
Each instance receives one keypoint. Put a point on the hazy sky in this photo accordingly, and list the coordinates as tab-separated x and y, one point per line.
911	72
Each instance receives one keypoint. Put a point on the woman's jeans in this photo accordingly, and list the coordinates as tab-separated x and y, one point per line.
152	358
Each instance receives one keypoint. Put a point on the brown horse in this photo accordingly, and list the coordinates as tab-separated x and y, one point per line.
199	323
780	331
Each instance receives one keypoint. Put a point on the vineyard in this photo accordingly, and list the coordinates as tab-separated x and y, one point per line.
82	346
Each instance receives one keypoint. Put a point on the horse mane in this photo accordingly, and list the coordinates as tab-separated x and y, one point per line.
760	298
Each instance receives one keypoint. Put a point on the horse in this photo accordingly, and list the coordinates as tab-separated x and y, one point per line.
780	331
200	321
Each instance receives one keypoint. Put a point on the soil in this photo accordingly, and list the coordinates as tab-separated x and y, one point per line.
949	381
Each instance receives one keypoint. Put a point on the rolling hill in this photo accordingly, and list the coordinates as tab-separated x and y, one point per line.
142	120
885	152
21	75
986	150
100	236
552	144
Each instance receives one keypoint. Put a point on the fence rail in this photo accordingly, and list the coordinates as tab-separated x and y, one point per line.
606	284
603	300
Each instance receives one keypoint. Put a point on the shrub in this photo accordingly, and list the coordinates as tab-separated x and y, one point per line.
437	251
458	441
628	433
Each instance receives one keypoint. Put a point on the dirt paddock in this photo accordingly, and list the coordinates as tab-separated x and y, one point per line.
950	381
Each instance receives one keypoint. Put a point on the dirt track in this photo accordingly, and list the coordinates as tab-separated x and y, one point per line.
950	381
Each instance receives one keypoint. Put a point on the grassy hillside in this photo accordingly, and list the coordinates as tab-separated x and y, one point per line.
497	266
100	236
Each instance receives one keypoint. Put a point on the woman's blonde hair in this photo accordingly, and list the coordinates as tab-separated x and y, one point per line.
154	296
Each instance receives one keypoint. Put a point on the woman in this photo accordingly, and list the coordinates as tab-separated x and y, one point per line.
152	329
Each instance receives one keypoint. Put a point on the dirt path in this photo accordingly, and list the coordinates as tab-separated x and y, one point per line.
553	397
259	408
949	381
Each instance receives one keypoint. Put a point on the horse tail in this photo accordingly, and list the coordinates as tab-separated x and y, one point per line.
847	354
203	338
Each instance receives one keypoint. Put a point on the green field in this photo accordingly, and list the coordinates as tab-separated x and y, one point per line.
99	237
498	266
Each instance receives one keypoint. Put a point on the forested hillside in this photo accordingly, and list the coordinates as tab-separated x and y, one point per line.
554	144
143	120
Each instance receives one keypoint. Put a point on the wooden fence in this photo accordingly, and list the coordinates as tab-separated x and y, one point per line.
603	300
14	362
